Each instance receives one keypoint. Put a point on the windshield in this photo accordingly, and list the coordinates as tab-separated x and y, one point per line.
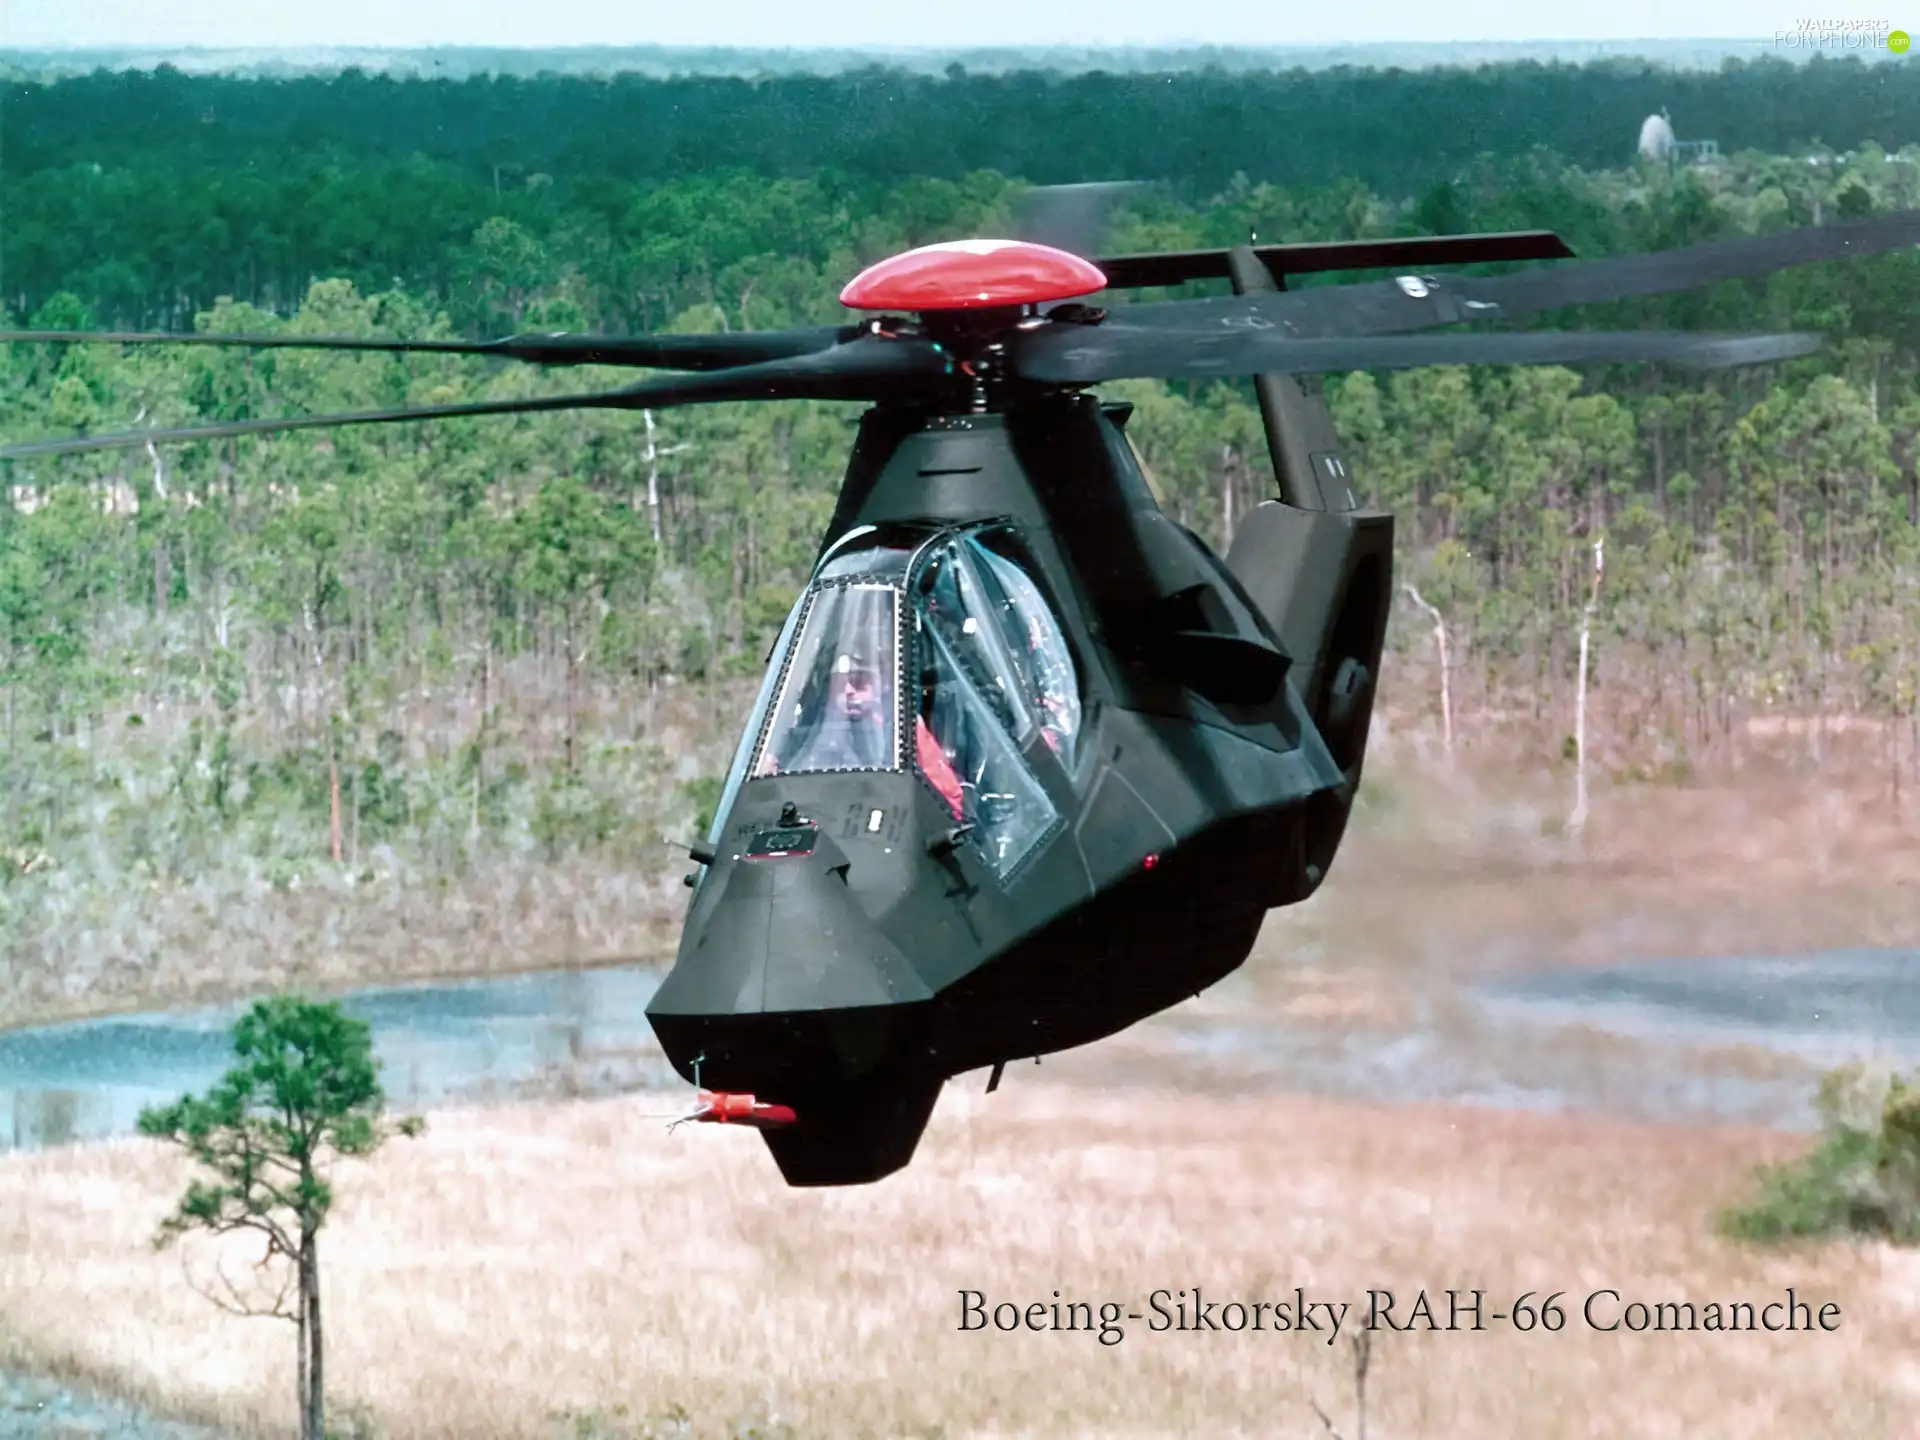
1040	664
994	670
969	758
737	772
839	701
991	671
871	553
958	611
991	615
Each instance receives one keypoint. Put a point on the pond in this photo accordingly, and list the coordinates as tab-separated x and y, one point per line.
1729	1039
437	1044
1736	1040
1827	1009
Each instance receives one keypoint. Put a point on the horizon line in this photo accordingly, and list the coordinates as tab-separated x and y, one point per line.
893	49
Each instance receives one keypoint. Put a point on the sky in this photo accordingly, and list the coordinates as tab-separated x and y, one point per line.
413	24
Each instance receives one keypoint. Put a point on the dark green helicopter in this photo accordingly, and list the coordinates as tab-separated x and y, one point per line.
1030	762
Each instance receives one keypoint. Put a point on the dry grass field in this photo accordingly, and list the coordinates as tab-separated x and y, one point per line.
518	1263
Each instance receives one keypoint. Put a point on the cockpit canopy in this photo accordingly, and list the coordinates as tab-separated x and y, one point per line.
930	649
838	705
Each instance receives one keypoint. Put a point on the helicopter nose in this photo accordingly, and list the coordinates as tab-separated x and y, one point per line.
788	985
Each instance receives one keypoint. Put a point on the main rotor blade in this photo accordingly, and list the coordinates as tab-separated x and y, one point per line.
1398	252
653	352
1417	302
1073	218
1114	351
871	368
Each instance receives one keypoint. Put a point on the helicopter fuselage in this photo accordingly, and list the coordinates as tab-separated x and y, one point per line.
1013	870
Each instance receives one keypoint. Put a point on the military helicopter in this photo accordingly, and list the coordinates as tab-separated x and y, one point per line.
1030	761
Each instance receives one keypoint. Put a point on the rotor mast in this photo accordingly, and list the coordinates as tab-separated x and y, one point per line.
1286	410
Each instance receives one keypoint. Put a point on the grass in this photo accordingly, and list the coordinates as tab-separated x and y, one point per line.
522	1265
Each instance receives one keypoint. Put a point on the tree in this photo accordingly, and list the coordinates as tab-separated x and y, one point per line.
305	1090
1446	687
578	545
1578	819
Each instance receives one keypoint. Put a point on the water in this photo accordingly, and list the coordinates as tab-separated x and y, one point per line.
33	1407
1731	1040
437	1044
1826	1009
1727	1040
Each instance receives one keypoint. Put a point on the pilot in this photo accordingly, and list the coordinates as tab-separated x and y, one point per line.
856	732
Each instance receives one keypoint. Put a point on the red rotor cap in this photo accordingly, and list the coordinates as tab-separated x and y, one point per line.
972	275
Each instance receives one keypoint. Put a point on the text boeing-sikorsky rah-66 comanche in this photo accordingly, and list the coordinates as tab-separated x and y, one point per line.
1030	762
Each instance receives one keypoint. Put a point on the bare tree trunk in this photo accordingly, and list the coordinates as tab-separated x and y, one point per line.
333	792
1578	819
315	1426
1891	753
1362	1357
1446	668
653	477
572	671
480	739
304	1320
1226	498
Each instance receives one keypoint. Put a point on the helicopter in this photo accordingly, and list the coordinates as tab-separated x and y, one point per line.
1030	762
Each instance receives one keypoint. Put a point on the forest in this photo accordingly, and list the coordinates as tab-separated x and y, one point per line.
428	656
152	194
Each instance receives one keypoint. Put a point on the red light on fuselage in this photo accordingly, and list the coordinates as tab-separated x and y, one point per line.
1149	862
972	275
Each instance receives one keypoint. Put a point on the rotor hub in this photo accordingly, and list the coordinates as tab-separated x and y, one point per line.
973	275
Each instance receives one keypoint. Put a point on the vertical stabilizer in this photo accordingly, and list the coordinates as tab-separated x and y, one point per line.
1321	570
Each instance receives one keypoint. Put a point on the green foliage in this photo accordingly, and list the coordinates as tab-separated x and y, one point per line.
705	794
566	816
1861	1179
304	1089
140	188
